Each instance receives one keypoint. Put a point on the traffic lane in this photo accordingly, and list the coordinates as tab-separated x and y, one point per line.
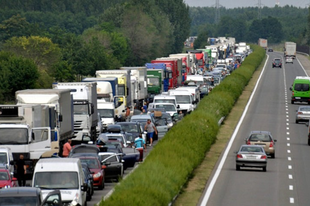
101	194
249	186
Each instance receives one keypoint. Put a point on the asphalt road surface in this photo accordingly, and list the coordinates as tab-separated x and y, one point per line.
286	181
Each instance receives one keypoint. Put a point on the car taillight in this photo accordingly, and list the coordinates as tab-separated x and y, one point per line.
239	156
263	157
299	113
271	144
292	93
248	142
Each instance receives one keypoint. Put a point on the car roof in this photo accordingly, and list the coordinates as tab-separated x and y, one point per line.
260	132
20	191
127	123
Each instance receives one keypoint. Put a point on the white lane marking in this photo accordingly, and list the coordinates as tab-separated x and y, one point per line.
290	176
289	159
289	167
292	200
288	151
287	120
291	187
287	133
288	139
287	128
288	144
286	112
302	67
286	105
287	116
286	109
287	124
220	166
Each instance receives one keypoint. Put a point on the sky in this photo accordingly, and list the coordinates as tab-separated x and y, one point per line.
247	3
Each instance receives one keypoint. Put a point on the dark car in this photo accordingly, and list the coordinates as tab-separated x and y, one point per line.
277	63
133	128
24	196
114	163
270	50
88	179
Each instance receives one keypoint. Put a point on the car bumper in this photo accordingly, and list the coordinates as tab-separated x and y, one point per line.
251	163
300	99
302	118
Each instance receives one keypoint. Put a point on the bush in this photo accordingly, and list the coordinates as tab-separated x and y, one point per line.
172	161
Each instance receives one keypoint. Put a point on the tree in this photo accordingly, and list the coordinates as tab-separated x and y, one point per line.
201	41
255	31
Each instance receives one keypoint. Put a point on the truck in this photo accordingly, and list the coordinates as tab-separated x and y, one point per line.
85	108
242	48
172	71
176	67
104	88
200	59
124	88
187	64
290	49
263	43
106	111
138	84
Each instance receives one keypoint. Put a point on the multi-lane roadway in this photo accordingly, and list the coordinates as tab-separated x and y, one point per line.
287	180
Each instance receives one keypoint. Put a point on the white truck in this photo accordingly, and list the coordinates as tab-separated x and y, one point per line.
33	130
263	43
106	110
188	64
104	88
138	84
184	100
290	49
85	108
242	48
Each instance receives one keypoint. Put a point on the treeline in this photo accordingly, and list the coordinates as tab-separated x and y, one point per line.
67	39
276	23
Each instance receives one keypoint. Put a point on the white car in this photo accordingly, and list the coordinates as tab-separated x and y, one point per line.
288	60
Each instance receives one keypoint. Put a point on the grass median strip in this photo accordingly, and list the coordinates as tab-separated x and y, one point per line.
191	194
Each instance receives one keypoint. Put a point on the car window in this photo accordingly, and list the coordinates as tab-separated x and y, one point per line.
251	149
260	137
304	109
91	163
301	87
29	200
4	176
111	159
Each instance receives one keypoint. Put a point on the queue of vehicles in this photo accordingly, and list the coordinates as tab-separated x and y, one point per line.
93	111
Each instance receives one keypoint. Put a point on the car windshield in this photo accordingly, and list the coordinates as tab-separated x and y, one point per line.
172	101
251	149
19	200
167	107
4	176
130	128
13	136
277	60
183	99
153	81
56	180
106	113
301	87
92	163
260	137
307	109
161	122
3	158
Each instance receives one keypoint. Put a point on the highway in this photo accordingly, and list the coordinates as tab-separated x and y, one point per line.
286	181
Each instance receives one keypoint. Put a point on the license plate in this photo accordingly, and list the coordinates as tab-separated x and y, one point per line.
297	97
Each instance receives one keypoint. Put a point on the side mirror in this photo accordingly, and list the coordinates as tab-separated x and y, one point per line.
60	118
291	88
178	106
275	140
103	167
307	124
14	179
84	187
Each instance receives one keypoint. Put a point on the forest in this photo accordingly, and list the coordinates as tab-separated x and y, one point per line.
43	41
276	24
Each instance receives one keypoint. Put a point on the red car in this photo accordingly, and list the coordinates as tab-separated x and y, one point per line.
96	168
6	179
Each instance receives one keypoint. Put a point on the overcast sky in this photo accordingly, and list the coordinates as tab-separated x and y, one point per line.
247	3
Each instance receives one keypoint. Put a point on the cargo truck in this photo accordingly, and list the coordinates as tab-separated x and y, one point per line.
171	65
85	108
177	63
263	43
290	49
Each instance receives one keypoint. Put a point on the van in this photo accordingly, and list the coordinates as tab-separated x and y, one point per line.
164	98
184	100
6	158
64	174
301	90
194	90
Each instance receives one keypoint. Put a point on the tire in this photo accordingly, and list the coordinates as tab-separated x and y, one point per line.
101	186
264	169
308	102
88	197
309	141
296	121
237	167
292	102
273	155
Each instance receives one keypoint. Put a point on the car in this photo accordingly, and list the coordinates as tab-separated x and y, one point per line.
121	137
114	163
133	128
24	196
302	114
251	156
277	62
270	50
264	139
289	60
6	179
89	181
300	89
165	116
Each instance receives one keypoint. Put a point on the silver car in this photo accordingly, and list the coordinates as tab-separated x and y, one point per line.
251	156
302	114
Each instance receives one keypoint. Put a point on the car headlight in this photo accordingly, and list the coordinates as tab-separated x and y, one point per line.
7	186
75	201
97	175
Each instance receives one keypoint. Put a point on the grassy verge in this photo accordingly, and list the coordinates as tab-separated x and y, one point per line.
194	188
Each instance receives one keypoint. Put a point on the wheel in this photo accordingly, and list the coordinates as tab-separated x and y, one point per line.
296	121
308	102
85	204
88	197
309	142
265	169
292	102
101	186
273	155
237	167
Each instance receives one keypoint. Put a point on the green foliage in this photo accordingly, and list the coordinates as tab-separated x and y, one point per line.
171	162
202	40
16	73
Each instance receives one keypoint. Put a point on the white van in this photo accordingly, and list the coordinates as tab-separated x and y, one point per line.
184	99
165	98
6	158
194	90
65	174
198	79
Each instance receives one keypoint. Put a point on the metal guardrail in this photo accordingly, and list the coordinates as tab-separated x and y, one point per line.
303	49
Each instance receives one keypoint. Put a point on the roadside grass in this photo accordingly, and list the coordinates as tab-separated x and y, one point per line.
193	190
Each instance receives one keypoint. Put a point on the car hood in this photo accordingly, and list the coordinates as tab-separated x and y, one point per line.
66	195
4	183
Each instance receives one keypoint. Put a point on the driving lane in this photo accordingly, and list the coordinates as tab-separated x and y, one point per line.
285	182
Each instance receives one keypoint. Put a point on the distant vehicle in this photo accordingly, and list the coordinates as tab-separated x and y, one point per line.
251	156
302	114
277	62
24	196
289	60
264	139
270	50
